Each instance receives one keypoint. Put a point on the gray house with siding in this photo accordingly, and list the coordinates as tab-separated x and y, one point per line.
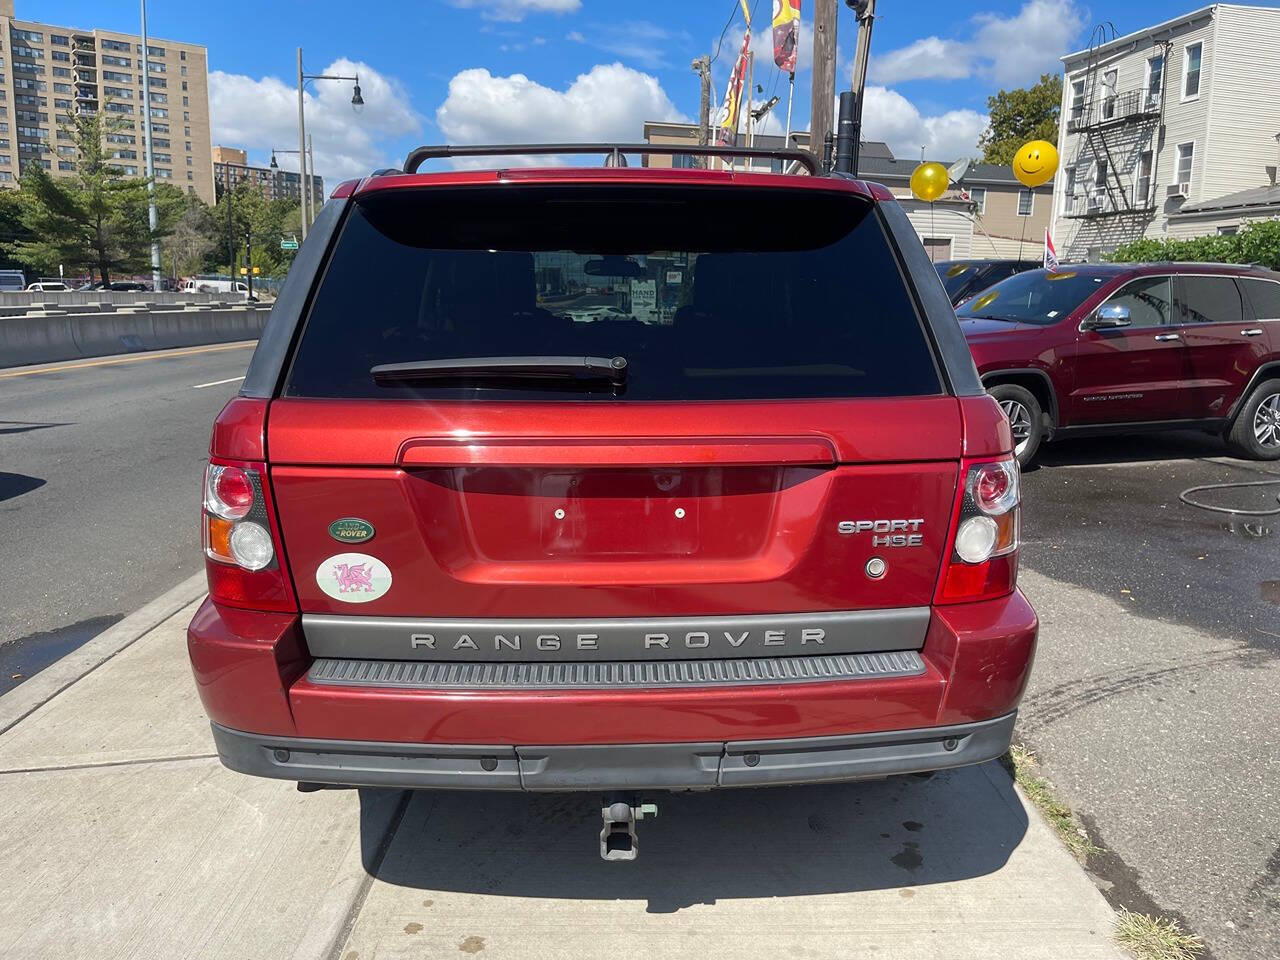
1159	126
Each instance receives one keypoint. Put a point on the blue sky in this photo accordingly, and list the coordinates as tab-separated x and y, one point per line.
520	70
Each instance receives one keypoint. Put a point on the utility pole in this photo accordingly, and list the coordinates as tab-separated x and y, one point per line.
157	279
702	67
311	178
865	10
823	97
248	261
231	232
302	147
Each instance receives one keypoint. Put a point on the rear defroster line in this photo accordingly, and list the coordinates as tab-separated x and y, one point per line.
1186	497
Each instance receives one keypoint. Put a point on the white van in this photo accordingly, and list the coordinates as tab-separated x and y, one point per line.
198	285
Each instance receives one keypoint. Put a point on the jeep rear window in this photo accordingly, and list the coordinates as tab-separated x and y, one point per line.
710	293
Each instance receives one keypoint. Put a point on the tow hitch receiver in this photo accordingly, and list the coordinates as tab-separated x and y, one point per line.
618	840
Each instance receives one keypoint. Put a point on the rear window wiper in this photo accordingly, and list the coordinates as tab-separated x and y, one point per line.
613	369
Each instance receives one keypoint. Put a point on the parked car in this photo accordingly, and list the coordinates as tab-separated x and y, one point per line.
49	286
12	281
966	278
1127	348
466	541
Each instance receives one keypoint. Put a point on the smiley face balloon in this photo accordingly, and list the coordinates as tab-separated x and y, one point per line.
1035	163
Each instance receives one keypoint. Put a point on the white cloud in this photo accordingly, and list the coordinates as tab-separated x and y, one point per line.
645	43
889	116
610	102
512	10
929	57
574	36
1008	51
260	114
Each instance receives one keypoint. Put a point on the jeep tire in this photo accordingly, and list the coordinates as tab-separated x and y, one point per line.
1026	419
1255	435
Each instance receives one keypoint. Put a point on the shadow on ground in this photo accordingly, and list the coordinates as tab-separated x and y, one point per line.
778	842
1135	448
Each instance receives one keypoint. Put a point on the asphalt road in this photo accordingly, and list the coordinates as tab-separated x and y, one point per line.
1153	701
100	472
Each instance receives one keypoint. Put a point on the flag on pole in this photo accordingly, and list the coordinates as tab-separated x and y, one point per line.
786	33
1050	254
730	109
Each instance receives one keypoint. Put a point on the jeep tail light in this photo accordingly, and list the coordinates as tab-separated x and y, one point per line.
241	537
983	562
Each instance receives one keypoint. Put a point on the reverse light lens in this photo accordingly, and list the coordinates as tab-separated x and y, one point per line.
228	492
251	546
975	540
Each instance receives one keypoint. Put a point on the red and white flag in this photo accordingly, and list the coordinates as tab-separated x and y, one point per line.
1050	254
786	33
730	109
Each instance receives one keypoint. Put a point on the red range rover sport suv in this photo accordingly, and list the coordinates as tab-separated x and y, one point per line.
1128	348
610	479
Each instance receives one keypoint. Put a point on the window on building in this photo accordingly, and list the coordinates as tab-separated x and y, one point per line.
1155	75
121	138
66	165
189	162
163	158
1109	80
184	71
116	45
123	93
1100	174
185	115
119	108
117	61
1068	187
160	128
7	160
187	103
188	146
159	144
117	76
1077	101
159	112
1142	190
1026	201
5	175
979	197
31	36
164	174
59	40
29	52
62	104
1186	155
190	175
153	67
60	55
182	54
1191	70
184	85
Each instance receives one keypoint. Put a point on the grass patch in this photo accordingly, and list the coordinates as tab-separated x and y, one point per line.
1151	938
1024	767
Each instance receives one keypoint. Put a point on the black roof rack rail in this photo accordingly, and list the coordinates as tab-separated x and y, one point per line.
612	150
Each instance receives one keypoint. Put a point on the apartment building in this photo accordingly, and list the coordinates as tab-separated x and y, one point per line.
48	73
231	168
1169	131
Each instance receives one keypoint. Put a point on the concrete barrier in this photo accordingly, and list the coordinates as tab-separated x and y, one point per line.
73	336
15	298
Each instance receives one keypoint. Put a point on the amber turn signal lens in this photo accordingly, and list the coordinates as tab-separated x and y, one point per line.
217	538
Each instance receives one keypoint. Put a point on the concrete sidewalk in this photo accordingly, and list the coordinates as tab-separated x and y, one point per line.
124	837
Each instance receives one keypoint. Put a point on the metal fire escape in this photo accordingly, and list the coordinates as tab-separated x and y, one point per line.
1115	129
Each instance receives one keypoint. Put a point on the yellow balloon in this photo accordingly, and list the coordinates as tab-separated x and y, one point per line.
1035	163
929	181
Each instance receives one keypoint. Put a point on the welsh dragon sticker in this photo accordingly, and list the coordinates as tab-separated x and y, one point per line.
354	577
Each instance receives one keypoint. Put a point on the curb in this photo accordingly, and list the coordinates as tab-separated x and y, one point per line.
25	699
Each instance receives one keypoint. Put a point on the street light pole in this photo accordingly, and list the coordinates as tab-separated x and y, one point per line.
357	104
153	218
302	146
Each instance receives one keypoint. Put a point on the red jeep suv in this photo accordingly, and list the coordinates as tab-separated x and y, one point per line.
1125	348
610	479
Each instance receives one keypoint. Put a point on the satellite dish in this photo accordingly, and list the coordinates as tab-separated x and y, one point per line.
957	170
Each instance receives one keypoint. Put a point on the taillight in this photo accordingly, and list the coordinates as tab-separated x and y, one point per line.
983	560
240	539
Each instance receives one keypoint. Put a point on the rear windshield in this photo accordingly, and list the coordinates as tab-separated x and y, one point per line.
1037	296
707	293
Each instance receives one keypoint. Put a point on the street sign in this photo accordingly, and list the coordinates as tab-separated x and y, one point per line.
289	244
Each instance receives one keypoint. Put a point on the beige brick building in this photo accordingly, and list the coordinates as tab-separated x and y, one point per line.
49	72
231	168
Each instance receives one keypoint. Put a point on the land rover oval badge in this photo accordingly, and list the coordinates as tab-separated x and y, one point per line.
351	530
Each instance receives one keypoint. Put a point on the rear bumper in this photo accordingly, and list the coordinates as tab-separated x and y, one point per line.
252	672
590	767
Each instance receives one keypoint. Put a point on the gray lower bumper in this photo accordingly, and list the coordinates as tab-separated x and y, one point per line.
662	766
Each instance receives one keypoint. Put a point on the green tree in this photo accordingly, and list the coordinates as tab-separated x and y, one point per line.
95	219
1257	242
268	221
1016	116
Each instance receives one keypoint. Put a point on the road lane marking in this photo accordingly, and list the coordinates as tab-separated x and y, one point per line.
157	355
217	383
